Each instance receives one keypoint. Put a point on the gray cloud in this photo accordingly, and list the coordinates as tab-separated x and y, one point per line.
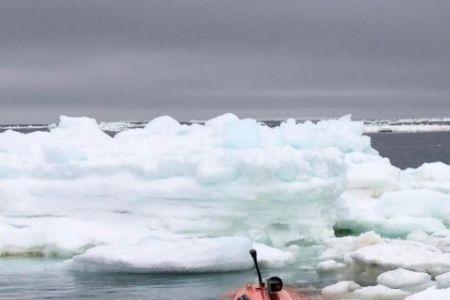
194	59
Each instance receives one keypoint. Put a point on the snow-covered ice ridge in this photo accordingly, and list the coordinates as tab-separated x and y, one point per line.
172	197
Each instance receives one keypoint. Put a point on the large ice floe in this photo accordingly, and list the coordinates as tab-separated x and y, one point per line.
194	198
169	189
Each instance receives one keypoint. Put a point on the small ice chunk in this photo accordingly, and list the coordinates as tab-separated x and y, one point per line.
380	292
395	214
434	176
415	203
382	176
336	248
431	294
405	254
404	279
443	281
272	257
329	266
366	239
340	290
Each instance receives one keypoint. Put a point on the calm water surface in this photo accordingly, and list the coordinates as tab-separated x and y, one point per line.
406	150
50	279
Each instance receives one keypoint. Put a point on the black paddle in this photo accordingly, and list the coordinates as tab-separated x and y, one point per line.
255	260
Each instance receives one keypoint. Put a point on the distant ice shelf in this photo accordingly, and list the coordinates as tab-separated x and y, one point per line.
370	126
407	125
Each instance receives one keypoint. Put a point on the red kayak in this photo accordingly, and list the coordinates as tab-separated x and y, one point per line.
271	290
255	292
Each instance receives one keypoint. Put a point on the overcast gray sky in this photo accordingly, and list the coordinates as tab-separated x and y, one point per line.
121	60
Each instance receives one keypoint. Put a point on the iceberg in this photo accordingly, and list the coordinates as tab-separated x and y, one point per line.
75	190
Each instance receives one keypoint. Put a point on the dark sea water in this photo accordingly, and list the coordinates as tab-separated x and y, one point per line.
410	150
49	279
